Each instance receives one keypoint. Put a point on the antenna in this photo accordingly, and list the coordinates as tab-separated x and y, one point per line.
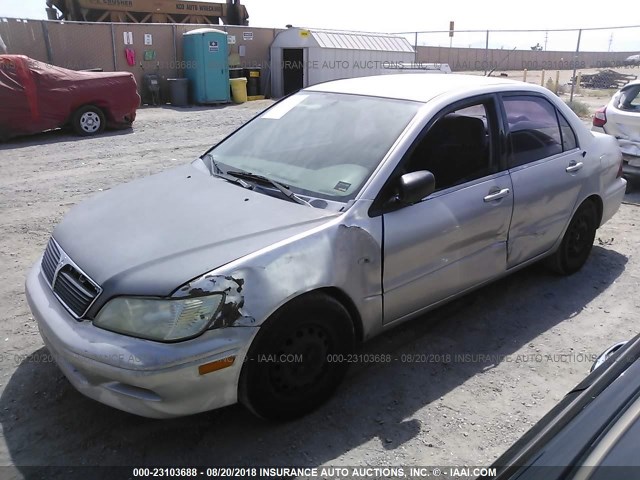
546	39
501	62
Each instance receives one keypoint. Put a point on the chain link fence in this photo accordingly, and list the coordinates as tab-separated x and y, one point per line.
527	49
585	65
583	62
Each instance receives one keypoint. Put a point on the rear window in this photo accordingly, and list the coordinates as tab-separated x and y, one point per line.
533	129
569	141
629	98
537	129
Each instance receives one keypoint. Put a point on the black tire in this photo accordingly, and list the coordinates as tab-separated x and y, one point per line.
88	120
577	241
275	385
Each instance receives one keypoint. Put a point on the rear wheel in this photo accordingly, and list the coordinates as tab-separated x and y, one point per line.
297	361
88	120
577	241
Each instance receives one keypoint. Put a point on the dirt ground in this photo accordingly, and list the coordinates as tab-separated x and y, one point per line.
528	338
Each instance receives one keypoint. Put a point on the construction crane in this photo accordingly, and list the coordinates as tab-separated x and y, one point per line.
149	11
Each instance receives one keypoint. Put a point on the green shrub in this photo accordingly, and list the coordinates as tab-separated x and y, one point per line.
579	108
551	85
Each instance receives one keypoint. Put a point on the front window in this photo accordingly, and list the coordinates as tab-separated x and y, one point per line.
457	147
322	145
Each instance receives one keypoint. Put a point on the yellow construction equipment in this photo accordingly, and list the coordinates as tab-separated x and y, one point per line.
149	11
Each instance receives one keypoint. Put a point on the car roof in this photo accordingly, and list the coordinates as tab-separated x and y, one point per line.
420	87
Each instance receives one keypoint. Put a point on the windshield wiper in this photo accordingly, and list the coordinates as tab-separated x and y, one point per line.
217	171
266	180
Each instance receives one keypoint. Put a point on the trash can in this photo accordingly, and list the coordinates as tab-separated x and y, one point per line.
178	91
235	73
253	83
239	89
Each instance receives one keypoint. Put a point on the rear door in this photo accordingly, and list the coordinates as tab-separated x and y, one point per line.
546	167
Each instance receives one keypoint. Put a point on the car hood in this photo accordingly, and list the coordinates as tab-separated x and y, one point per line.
152	235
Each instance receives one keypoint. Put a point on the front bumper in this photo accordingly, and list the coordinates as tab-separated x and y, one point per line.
150	379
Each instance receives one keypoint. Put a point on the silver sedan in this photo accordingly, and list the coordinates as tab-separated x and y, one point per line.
338	213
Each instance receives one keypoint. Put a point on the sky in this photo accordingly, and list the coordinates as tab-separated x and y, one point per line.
395	16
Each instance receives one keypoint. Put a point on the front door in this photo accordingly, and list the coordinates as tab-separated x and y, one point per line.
456	238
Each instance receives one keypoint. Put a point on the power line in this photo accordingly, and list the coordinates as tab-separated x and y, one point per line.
525	30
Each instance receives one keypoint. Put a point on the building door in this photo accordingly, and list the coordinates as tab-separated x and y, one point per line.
292	69
216	68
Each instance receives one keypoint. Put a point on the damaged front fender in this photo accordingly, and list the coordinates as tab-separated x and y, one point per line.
344	254
230	312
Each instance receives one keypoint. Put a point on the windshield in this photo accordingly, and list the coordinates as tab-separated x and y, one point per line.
324	145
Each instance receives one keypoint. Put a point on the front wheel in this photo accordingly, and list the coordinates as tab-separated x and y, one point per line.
88	120
577	241
297	360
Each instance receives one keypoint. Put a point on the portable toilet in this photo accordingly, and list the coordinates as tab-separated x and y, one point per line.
205	53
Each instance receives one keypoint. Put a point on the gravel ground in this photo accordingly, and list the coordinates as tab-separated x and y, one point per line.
528	339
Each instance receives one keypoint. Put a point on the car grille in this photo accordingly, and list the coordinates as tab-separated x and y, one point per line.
73	288
50	260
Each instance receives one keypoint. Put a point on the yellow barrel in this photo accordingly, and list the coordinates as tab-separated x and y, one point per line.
239	89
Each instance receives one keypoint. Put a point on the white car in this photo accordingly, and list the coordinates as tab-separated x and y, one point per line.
621	118
632	60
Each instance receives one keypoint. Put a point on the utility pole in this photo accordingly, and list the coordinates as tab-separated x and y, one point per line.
575	63
451	30
486	53
610	42
546	38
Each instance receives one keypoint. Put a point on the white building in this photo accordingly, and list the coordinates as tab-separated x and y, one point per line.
301	57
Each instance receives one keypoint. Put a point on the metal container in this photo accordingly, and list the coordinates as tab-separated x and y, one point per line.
253	81
178	91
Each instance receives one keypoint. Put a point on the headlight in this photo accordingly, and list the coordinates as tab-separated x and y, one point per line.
158	319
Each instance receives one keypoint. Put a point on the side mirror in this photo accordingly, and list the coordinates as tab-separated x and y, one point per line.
415	186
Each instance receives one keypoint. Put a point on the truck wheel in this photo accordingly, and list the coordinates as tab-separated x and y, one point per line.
88	120
577	241
298	358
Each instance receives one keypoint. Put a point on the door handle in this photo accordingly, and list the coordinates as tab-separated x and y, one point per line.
497	195
574	167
